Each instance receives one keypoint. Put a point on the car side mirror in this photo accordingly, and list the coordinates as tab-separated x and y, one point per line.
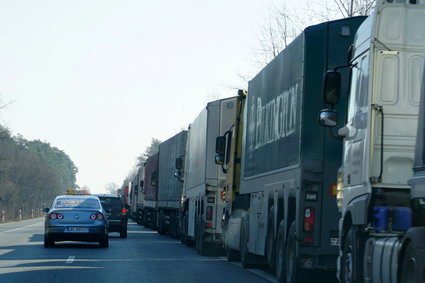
331	87
328	118
46	210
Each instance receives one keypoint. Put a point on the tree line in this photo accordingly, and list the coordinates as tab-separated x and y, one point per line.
32	174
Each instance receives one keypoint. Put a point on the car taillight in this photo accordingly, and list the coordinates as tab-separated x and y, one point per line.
124	211
209	213
54	216
309	219
97	216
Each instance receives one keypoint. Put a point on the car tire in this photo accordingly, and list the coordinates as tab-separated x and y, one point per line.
104	243
48	242
123	233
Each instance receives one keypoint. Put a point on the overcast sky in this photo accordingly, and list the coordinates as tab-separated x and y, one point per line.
98	79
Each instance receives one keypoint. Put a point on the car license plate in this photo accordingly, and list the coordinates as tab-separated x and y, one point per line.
77	229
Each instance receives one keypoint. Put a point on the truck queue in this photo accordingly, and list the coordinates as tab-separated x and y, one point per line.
260	177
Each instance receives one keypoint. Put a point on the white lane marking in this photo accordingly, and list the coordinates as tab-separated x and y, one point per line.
22	228
70	259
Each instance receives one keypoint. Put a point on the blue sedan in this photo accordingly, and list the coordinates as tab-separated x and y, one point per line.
76	218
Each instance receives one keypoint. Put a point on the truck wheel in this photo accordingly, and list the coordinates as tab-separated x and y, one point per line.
245	255
232	255
411	264
201	246
270	242
348	263
293	272
160	223
48	242
280	253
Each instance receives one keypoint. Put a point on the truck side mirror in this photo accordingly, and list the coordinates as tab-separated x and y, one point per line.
142	183
136	190
154	178
328	118
179	163
219	159
220	145
332	87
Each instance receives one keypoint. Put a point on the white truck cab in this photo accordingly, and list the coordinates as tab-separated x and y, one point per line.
379	138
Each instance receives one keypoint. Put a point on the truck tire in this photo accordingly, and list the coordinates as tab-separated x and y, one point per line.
246	257
171	225
292	271
412	260
351	258
232	255
280	253
160	221
270	241
201	245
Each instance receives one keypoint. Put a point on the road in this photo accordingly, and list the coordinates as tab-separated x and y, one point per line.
145	256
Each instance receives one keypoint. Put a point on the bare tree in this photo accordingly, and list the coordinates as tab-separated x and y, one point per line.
112	188
282	24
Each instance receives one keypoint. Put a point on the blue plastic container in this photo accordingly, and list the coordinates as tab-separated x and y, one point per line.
380	218
402	218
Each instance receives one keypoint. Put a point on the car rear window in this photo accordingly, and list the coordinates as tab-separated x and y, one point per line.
76	203
111	202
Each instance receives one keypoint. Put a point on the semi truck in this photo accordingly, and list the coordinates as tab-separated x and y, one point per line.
382	217
170	188
134	187
150	192
281	164
203	182
140	195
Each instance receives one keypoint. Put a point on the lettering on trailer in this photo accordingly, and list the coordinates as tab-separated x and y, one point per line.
274	120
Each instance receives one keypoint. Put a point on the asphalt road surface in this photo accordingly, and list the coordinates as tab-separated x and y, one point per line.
145	256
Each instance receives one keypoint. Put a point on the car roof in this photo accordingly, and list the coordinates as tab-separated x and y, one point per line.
107	195
78	196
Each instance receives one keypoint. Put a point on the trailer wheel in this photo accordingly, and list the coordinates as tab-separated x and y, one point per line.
185	237
270	242
161	220
245	255
280	253
201	245
171	225
293	272
232	255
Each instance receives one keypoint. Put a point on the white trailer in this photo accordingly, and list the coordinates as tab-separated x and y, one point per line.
204	181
